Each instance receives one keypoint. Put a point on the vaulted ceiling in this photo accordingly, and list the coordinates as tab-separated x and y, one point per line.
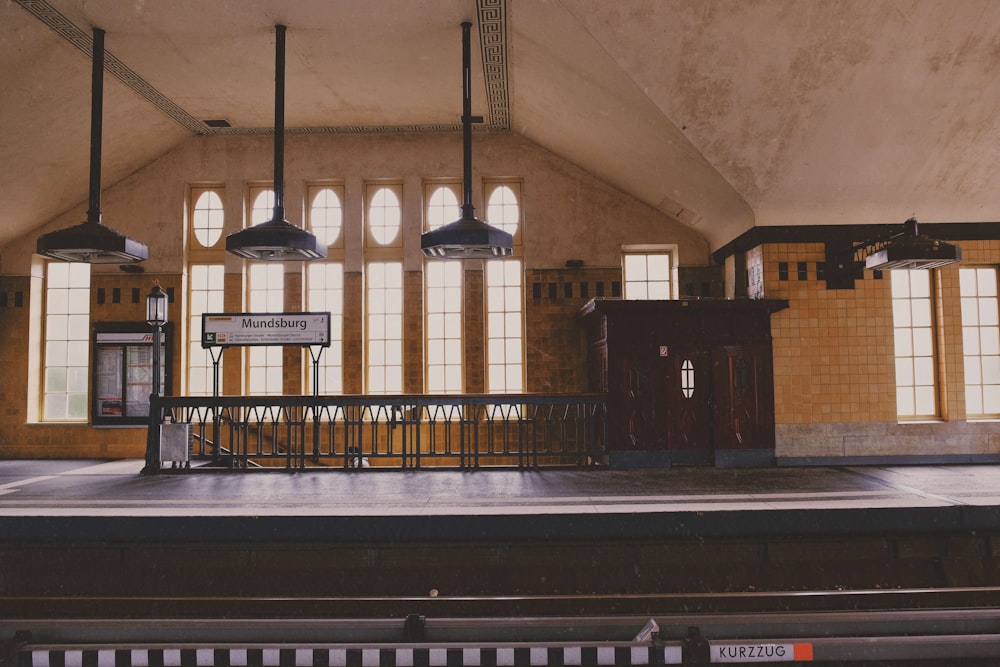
723	113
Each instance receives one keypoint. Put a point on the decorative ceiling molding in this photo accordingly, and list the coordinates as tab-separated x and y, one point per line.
66	29
492	37
493	41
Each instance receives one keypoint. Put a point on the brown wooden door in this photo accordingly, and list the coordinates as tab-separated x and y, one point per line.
744	414
688	393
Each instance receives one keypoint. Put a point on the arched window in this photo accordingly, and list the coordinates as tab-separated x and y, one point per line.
442	207
503	210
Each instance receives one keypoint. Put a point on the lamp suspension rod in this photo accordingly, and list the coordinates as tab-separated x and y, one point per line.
467	207
279	123
96	125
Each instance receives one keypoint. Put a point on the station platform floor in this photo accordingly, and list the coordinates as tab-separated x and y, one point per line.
91	500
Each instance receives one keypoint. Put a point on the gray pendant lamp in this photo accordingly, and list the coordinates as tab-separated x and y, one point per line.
468	237
277	240
90	241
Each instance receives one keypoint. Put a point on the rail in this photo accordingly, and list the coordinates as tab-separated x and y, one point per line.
465	431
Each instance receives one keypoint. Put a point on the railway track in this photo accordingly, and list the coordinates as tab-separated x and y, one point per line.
911	626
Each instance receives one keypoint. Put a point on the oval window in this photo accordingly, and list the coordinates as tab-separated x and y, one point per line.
326	217
384	216
207	219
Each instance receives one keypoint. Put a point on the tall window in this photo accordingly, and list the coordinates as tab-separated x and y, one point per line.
67	328
266	291
325	283
206	277
981	341
504	329
444	326
384	290
913	327
206	296
504	297
385	327
647	275
443	300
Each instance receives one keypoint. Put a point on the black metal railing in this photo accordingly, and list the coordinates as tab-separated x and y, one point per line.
404	431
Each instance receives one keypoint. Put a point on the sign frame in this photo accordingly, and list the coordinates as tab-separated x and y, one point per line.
299	329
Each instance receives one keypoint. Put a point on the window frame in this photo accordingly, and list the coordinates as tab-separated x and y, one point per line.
80	339
911	341
972	325
647	250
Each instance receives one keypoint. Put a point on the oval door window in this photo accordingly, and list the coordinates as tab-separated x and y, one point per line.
687	378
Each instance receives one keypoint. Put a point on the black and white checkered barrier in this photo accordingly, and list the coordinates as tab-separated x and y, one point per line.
410	656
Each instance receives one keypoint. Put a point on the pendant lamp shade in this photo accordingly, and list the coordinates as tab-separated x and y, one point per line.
468	237
90	241
277	240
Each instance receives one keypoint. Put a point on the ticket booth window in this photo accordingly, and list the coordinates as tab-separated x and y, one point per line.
123	373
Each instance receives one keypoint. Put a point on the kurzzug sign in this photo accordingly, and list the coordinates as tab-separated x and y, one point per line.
234	329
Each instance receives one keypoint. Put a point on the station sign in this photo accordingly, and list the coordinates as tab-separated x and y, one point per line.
746	652
244	329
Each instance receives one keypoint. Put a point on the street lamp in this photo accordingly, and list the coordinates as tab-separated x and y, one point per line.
156	317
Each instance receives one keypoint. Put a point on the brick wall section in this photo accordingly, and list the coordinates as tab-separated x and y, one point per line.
354	303
556	353
413	332
474	313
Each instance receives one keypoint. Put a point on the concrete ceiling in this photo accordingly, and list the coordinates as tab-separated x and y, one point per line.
723	113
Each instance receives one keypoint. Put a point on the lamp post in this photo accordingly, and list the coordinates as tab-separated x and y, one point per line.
156	317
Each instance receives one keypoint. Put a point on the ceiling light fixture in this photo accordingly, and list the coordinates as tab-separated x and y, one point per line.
90	241
467	237
277	240
909	250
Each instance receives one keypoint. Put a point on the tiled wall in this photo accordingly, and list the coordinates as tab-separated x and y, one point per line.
555	346
834	366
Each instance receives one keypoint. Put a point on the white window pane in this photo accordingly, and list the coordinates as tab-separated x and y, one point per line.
903	342
513	378
923	371
77	353
989	341
659	291
512	325
988	312
973	371
986	280
921	313
970	340
968	281
991	370
453	378
991	400
901	313
635	268
974	399
393	353
55	353
923	342
904	401
904	371
925	401
970	312
497	377
495	353
900	284
920	284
